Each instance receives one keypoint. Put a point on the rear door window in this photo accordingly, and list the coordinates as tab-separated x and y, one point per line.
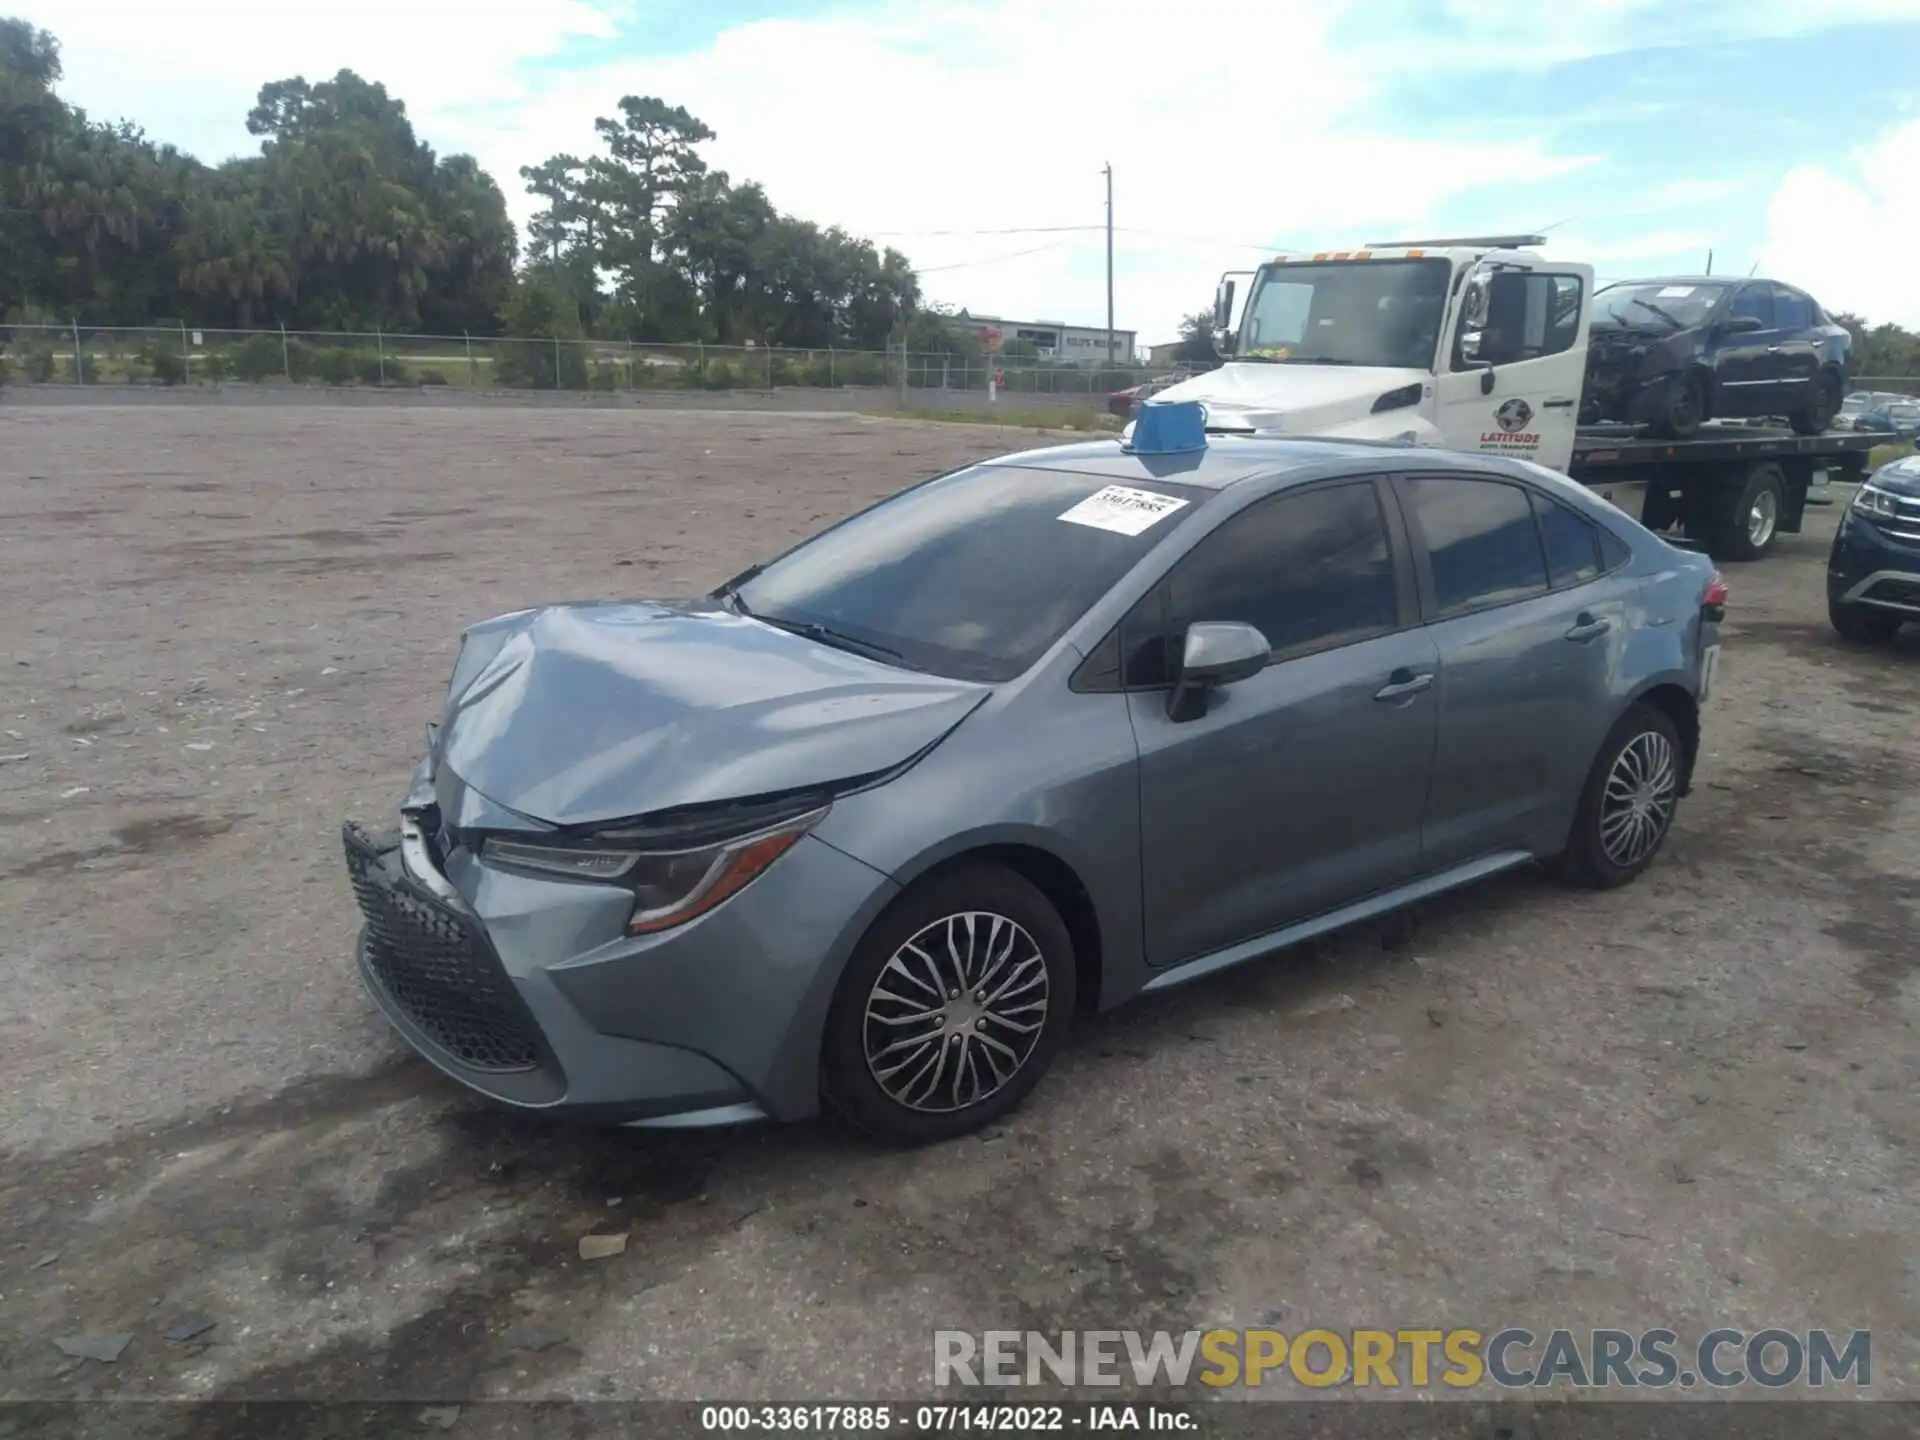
1483	546
1573	546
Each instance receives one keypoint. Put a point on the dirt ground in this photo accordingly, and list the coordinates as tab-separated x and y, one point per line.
222	631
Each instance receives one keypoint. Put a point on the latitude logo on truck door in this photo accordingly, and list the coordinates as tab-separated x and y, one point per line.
1511	434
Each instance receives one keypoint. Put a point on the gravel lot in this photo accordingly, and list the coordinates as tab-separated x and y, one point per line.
222	631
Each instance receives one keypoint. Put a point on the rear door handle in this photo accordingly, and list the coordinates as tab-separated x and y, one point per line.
1562	403
1588	627
1403	683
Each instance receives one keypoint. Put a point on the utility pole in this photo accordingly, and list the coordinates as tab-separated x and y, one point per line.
1109	174
1709	262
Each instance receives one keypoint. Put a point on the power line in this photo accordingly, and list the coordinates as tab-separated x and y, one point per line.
987	260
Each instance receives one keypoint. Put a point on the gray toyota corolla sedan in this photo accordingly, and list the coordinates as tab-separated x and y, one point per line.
867	825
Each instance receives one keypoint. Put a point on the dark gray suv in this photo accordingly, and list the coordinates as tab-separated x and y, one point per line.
867	825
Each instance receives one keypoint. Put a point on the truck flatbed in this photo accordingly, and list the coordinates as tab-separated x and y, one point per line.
1733	489
1620	447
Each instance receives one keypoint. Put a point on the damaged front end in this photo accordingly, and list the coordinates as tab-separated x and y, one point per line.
1627	370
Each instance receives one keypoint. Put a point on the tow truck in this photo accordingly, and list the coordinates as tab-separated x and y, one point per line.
1479	343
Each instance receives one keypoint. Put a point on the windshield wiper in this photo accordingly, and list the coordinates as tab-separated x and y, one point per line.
826	635
1649	305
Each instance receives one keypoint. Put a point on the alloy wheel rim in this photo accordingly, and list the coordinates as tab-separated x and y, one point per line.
1762	518
956	1012
1637	803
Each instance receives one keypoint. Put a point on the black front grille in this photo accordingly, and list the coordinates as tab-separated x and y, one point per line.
1897	590
439	969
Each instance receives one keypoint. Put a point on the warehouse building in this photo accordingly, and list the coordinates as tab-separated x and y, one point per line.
1052	339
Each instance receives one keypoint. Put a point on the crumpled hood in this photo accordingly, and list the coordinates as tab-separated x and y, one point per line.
1289	399
579	714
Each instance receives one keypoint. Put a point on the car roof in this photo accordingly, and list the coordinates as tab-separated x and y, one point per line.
1227	460
1677	280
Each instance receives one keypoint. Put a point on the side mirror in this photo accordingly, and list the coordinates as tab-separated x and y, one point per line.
1223	345
1214	654
1741	325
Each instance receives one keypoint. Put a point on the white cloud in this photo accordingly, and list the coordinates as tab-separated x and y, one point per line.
1231	124
189	72
1001	114
1846	232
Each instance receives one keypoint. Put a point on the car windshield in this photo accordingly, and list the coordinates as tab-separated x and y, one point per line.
972	575
1678	305
1363	312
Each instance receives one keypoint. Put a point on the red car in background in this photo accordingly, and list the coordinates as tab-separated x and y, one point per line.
1124	402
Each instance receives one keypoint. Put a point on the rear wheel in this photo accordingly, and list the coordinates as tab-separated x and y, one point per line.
1628	804
951	1009
1863	624
1748	519
1822	404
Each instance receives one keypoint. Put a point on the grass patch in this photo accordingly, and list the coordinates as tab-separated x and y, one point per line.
1022	417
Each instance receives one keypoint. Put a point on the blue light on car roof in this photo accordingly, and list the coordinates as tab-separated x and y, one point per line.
1169	427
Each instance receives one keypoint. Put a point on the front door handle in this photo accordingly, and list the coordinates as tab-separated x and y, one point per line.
1403	683
1561	403
1589	627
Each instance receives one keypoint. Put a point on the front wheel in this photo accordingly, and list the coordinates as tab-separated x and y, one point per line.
1628	804
1680	408
1863	624
951	1009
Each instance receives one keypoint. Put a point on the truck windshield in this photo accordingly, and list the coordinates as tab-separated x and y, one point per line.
1347	312
1677	306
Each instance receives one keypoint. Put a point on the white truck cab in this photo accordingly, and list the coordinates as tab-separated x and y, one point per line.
1474	344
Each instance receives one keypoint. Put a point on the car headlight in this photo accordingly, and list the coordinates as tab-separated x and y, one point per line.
1870	499
670	885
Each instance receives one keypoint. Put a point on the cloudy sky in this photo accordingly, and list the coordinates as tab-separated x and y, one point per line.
1782	134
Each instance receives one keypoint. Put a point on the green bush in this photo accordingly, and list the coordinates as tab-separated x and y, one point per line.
37	364
259	357
821	372
161	359
213	366
530	365
334	366
432	377
608	375
719	376
861	369
783	371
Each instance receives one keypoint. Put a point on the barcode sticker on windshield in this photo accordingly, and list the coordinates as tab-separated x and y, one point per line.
1675	292
1122	510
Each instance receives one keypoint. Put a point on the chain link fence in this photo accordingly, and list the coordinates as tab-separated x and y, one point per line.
183	355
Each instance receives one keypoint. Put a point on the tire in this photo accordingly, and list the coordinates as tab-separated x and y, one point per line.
1595	856
1680	408
1862	624
1823	404
922	1103
1747	521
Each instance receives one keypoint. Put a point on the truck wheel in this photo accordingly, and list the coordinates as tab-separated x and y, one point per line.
1863	624
1823	403
1680	407
1749	517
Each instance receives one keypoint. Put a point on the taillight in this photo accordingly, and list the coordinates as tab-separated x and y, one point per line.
1713	604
